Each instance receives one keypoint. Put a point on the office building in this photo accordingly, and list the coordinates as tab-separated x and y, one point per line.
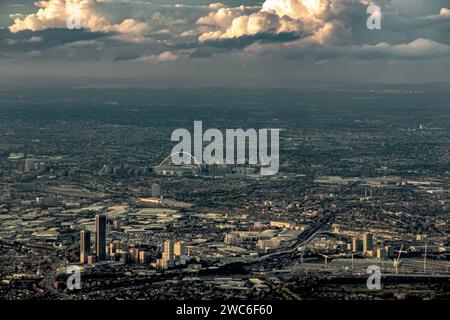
381	253
168	250
144	257
179	248
167	260
367	242
85	245
173	254
389	251
28	165
180	253
100	237
357	245
135	255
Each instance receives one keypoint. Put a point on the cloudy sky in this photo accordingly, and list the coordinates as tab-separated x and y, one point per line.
260	42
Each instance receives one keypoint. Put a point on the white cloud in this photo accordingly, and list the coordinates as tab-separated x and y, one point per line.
222	17
56	13
166	56
319	29
275	16
30	40
418	49
445	12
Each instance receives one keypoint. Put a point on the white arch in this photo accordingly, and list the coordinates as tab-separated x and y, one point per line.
198	164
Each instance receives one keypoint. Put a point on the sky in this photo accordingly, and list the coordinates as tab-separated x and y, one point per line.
233	42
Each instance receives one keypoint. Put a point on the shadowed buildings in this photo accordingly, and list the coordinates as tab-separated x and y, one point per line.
100	237
85	245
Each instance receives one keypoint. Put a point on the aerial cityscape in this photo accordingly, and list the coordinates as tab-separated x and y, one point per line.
342	191
91	189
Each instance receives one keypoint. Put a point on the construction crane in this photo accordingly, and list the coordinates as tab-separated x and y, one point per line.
397	261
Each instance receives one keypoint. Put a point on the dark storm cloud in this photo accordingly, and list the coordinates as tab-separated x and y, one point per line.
40	40
245	41
210	48
126	56
50	37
